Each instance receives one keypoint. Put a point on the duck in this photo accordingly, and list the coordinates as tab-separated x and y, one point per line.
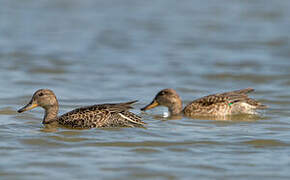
219	104
94	116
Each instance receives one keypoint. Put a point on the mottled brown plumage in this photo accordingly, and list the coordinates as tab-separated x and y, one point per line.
228	103
95	116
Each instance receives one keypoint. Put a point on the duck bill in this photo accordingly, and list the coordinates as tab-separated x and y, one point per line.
153	104
29	106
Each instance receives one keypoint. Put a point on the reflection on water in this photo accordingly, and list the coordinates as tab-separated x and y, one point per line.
91	52
262	143
235	118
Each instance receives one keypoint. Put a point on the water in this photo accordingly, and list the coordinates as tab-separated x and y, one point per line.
112	51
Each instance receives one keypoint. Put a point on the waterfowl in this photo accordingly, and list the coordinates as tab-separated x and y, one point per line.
228	103
95	116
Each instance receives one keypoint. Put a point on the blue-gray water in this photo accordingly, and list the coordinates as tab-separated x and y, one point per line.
91	52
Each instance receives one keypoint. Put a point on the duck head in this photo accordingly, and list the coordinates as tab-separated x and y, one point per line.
168	98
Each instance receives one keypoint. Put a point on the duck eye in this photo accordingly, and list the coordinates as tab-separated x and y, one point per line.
163	92
40	94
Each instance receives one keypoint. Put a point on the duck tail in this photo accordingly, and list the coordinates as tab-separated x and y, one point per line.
262	106
128	104
256	104
244	91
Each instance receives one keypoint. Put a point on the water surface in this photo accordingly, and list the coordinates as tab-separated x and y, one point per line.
112	51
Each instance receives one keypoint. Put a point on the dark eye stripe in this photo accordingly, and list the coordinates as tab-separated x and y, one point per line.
41	94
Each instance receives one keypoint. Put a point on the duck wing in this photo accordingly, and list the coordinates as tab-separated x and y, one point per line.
228	97
101	115
220	103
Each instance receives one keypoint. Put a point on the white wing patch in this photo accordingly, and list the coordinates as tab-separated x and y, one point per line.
129	119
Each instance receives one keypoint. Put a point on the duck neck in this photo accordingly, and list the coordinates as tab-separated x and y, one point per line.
176	107
50	114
